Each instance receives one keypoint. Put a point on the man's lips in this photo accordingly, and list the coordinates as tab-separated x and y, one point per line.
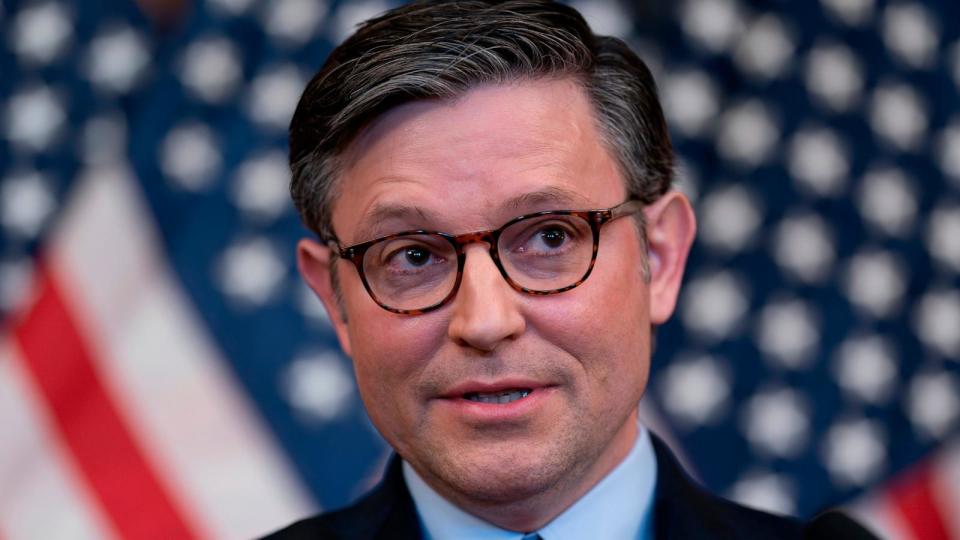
496	403
473	388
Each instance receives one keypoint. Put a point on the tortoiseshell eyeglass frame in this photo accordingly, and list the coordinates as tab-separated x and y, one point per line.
595	218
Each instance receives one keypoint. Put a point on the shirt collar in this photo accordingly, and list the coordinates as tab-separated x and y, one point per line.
619	506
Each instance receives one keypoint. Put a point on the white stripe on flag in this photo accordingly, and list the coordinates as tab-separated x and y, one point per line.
878	513
40	493
946	488
194	423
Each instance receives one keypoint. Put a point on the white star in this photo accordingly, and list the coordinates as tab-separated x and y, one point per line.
911	34
293	22
818	160
777	422
117	59
696	391
690	102
932	404
804	248
713	305
714	24
875	282
854	452
210	69
936	319
351	14
260	185
35	117
251	271
190	156
26	203
748	133
15	283
788	331
834	76
605	17
730	217
943	231
765	50
765	491
865	367
318	386
898	115
948	151
273	96
888	201
687	179
851	12
41	32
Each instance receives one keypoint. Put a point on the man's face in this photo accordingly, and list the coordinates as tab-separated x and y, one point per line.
472	164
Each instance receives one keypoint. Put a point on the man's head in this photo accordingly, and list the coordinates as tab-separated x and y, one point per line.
458	116
441	49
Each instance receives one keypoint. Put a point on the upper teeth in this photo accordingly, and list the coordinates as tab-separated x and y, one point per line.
498	397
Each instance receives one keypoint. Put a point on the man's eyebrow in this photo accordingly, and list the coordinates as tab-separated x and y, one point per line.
373	219
560	199
557	198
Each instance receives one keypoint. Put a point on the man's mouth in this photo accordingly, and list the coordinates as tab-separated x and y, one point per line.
506	396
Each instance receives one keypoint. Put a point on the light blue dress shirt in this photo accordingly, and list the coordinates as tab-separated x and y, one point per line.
618	507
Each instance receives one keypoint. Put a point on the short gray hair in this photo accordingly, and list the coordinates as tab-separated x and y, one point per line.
441	49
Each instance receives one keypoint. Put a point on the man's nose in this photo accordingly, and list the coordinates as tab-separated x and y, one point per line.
484	311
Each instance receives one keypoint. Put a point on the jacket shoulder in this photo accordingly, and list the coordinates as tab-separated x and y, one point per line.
310	528
385	512
352	522
683	509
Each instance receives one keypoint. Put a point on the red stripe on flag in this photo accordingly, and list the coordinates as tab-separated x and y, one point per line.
61	365
913	497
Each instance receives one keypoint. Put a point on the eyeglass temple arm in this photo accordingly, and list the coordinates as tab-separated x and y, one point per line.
626	208
334	244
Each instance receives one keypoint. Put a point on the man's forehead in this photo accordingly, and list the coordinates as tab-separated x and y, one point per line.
532	97
497	152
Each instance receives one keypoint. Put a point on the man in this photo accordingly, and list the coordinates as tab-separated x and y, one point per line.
490	184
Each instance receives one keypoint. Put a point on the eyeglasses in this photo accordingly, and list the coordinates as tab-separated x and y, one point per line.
550	252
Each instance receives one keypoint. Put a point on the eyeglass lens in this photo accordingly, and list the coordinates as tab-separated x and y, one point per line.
540	253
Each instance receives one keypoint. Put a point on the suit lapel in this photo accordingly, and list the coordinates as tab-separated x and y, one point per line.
681	508
398	518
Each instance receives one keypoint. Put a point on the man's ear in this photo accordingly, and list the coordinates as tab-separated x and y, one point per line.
671	226
315	260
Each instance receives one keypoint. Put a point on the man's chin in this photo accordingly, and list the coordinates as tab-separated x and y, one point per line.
495	477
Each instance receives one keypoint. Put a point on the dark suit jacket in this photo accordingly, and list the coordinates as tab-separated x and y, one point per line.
681	510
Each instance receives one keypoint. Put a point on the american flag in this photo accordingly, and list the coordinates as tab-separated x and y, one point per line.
164	373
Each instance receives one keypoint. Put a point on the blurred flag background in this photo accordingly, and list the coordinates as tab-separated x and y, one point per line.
164	373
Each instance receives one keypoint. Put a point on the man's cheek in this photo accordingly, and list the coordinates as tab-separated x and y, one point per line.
389	358
575	322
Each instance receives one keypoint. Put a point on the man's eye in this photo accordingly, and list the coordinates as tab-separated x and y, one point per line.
546	239
416	256
553	237
410	257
